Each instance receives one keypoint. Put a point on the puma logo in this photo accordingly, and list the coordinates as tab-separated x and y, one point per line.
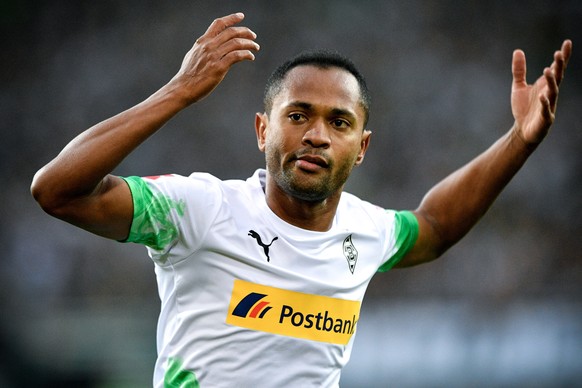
256	236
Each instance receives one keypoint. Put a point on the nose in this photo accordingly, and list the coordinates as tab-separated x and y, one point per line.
317	136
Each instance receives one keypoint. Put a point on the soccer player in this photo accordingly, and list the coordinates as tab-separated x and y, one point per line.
261	280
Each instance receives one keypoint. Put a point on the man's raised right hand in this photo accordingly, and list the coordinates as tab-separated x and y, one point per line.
206	64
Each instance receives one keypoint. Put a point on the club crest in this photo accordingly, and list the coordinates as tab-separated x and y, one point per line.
350	252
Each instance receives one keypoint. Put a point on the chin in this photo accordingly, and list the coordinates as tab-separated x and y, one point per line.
310	190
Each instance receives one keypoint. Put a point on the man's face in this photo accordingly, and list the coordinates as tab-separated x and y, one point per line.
313	136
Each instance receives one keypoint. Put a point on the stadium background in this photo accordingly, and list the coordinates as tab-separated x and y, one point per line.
502	308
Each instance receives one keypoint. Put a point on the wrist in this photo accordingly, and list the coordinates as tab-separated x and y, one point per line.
518	139
179	91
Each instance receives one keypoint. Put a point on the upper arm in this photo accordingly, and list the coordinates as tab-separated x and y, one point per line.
426	247
107	211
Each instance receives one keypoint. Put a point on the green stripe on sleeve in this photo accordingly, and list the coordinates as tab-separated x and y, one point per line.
406	234
152	223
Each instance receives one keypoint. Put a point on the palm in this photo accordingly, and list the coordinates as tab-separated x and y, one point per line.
534	106
529	112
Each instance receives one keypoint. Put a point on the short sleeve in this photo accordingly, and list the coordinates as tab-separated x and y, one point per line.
173	213
152	223
404	236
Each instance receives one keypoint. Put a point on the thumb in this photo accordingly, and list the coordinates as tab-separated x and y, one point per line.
518	68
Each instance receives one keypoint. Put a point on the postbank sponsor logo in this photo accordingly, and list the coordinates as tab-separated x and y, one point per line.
294	314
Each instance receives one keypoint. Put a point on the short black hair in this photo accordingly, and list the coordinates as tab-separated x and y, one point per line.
323	59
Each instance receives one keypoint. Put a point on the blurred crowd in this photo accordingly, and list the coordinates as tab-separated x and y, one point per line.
440	76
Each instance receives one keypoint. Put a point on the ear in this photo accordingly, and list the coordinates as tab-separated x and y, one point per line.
365	142
261	124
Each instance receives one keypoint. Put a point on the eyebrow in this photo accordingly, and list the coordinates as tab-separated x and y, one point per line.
300	104
335	111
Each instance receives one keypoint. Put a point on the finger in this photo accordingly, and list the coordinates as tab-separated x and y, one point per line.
233	57
566	51
236	50
546	111
233	33
552	89
221	24
558	66
561	58
518	68
238	44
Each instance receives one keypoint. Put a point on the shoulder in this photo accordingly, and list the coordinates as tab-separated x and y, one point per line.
354	212
174	190
173	180
197	187
351	206
180	184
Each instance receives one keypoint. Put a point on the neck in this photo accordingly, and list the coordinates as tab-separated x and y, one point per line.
311	215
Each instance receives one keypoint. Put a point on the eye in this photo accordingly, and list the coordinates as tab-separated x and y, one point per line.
340	123
297	117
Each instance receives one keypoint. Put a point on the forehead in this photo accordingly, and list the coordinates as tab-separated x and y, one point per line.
332	87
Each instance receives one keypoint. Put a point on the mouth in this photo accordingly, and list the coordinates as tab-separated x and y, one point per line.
311	163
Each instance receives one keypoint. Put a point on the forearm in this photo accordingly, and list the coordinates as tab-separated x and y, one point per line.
81	166
456	204
451	208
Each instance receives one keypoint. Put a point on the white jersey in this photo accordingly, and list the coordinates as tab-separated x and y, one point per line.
249	300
